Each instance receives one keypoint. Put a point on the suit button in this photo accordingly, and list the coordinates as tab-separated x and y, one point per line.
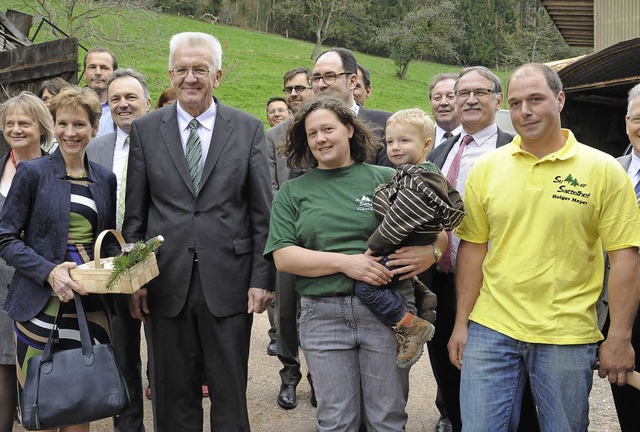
196	213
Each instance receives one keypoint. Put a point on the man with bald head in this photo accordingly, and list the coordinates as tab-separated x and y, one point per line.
548	206
336	72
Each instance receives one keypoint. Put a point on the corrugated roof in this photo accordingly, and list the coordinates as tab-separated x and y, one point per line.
606	70
574	20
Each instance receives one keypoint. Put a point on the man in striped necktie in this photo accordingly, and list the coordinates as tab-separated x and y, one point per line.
129	99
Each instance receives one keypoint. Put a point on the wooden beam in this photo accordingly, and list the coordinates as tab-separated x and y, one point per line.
13	30
35	72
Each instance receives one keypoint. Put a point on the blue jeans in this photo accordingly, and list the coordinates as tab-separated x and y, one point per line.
352	359
494	370
391	302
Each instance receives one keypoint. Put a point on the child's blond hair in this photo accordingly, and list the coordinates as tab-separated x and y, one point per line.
414	117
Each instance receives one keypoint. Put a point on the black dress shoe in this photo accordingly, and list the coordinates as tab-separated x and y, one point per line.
314	401
272	348
444	425
287	398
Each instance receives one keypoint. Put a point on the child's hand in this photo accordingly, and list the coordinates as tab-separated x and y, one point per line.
369	252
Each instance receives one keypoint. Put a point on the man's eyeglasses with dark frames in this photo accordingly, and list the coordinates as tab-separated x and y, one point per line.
299	89
328	78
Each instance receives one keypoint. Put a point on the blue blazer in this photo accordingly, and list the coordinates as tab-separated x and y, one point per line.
34	227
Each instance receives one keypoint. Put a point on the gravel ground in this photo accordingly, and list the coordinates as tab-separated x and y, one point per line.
267	416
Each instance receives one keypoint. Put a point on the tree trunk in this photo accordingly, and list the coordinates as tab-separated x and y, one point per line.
316	49
405	68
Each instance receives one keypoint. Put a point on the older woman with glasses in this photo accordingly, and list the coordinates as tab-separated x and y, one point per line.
55	209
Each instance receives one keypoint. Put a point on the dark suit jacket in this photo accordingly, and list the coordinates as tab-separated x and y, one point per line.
34	227
377	120
101	149
439	154
278	169
227	224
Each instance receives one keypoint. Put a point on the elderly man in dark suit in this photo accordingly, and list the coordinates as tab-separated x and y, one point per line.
478	96
198	176
128	97
627	398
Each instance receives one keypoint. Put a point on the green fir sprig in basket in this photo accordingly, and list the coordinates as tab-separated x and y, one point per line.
131	255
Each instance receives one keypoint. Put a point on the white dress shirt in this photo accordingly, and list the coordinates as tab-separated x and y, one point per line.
484	141
120	154
207	121
440	135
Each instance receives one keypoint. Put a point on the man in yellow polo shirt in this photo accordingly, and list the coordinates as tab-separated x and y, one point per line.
530	268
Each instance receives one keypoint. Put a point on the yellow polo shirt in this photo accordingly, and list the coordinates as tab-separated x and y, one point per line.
546	221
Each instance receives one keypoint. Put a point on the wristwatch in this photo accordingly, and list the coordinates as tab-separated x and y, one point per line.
437	252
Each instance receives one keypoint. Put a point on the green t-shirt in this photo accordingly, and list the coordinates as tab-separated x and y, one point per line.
326	210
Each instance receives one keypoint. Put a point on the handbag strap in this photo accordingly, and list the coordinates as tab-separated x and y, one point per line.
85	337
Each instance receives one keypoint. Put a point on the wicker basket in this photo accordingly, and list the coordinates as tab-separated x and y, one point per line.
94	278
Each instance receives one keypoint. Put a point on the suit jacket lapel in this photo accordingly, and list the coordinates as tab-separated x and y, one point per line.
625	161
222	131
171	137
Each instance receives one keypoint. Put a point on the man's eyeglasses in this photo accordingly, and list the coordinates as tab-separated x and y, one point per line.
634	119
479	92
328	78
196	72
299	89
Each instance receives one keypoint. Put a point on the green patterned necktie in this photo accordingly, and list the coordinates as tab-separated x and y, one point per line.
194	155
122	191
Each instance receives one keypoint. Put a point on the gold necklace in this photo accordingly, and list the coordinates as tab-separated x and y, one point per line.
83	175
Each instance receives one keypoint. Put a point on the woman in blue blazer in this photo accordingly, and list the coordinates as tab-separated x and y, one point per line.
56	207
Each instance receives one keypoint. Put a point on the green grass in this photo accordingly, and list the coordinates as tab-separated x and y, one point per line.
253	63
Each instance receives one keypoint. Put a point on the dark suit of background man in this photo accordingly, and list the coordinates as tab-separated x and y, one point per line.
627	398
477	114
336	72
213	210
362	92
128	97
297	90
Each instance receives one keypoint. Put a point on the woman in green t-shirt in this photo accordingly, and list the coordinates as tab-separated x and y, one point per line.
320	223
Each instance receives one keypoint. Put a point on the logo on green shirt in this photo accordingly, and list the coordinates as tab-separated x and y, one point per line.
364	203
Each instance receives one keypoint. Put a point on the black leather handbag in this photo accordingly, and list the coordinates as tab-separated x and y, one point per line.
72	386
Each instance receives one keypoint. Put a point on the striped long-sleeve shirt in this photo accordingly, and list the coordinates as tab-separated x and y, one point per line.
414	207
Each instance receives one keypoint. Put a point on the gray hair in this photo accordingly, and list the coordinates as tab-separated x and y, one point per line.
485	72
120	73
35	109
197	39
441	77
634	94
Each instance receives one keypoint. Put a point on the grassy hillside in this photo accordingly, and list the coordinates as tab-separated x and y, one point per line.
254	63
